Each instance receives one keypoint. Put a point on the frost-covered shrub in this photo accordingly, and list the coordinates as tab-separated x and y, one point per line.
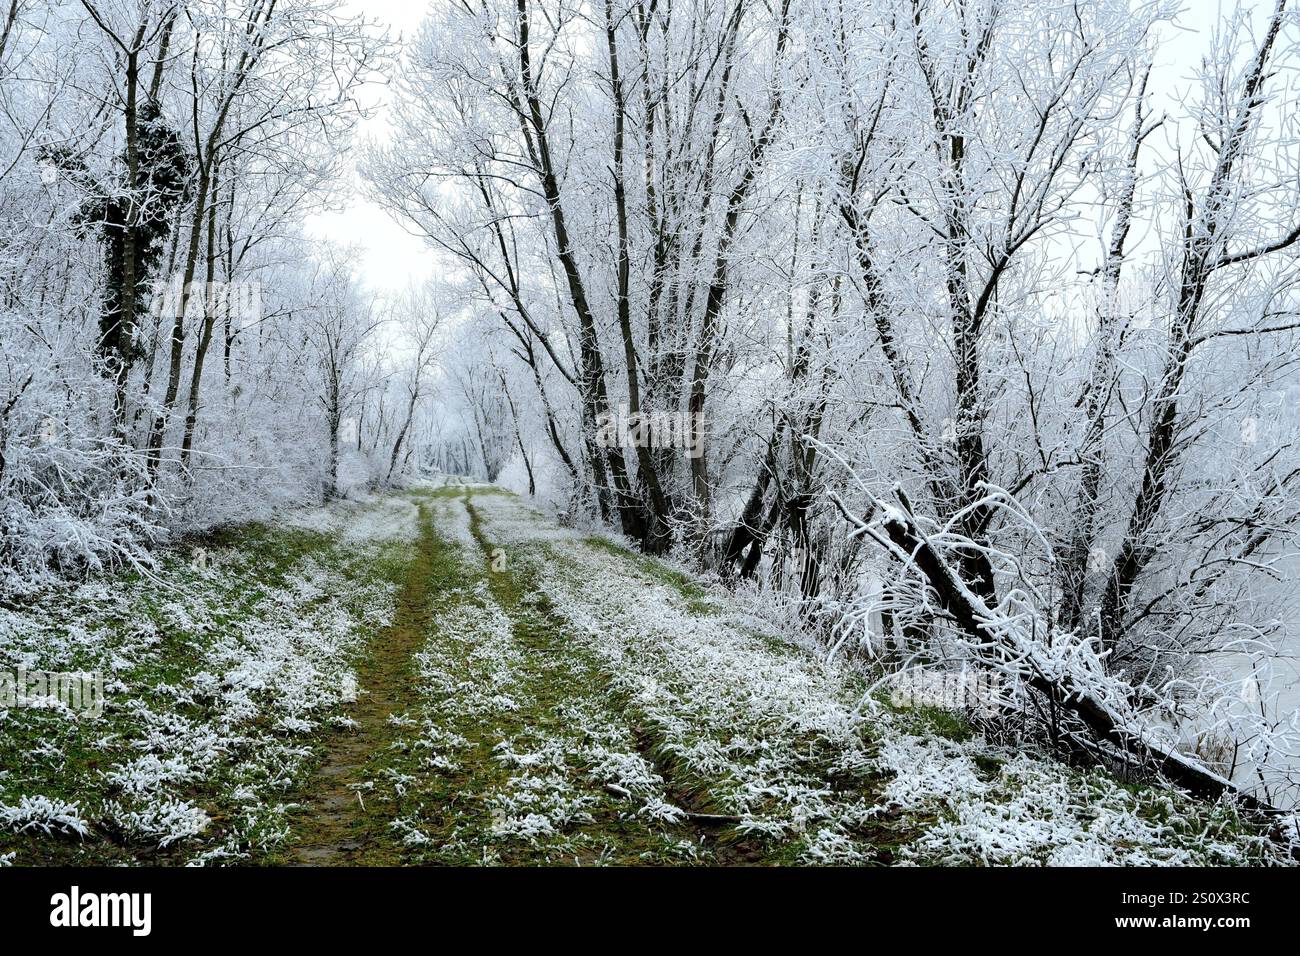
73	498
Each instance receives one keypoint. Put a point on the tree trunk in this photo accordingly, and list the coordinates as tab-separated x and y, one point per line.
1198	265
656	533
592	378
205	339
159	428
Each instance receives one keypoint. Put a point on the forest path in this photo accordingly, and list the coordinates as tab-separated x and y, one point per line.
473	660
544	695
548	696
528	694
337	827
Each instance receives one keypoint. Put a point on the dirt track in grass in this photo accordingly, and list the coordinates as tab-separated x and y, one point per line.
483	733
336	827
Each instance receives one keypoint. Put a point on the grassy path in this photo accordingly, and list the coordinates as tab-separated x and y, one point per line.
566	681
504	751
446	676
338	829
578	703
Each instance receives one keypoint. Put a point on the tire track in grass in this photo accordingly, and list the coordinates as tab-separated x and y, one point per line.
637	813
336	828
439	770
510	753
503	740
752	742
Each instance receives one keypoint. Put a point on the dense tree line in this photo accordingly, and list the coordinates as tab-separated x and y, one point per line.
924	278
174	350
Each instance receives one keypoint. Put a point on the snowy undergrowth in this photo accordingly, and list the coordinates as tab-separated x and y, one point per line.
773	736
999	807
220	673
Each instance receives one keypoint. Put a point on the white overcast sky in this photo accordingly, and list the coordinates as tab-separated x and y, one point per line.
393	258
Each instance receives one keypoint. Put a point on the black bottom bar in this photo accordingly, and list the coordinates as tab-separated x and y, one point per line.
337	906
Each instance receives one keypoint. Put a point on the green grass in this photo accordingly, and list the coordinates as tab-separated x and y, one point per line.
64	759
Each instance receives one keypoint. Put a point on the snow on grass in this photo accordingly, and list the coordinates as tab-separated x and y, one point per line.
219	674
452	521
518	729
367	520
774	736
751	727
585	704
471	668
164	821
471	677
1033	811
39	812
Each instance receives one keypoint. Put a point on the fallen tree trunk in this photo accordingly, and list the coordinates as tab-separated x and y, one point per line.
972	615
